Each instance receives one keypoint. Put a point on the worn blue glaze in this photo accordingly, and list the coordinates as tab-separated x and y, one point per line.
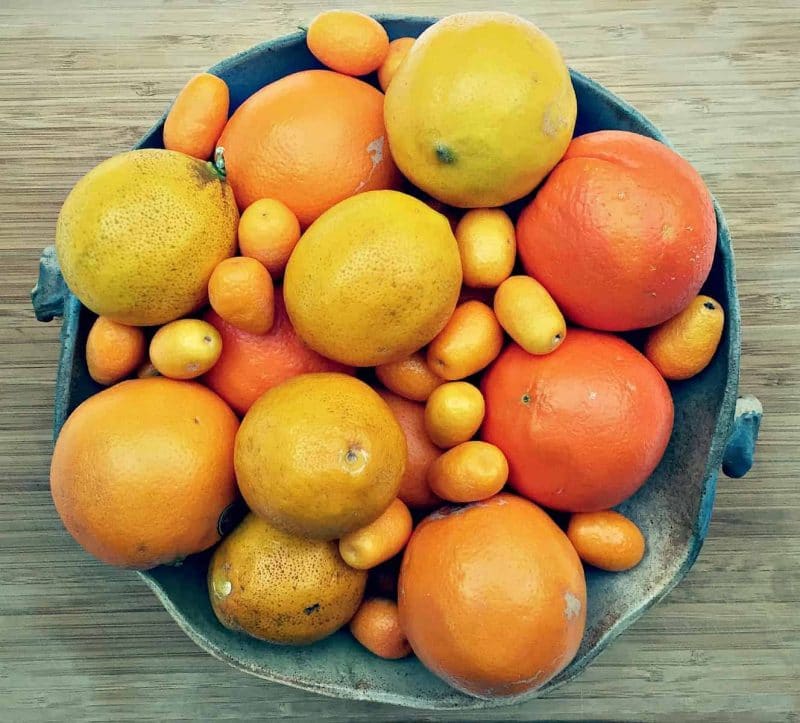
673	508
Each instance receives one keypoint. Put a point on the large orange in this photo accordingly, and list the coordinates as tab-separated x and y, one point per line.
622	233
251	364
492	596
582	427
142	472
310	140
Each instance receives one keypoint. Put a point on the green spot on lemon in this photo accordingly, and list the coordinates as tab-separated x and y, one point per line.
445	154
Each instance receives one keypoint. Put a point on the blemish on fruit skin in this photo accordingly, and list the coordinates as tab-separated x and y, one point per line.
375	153
572	605
311	609
445	154
222	588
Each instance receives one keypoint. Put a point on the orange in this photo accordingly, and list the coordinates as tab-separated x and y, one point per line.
374	279
453	413
251	364
622	233
469	342
268	232
113	350
240	290
492	597
488	246
529	315
142	473
469	472
411	377
398	49
376	626
281	588
185	349
378	541
583	427
320	455
197	117
310	140
686	344
606	539
414	489
347	42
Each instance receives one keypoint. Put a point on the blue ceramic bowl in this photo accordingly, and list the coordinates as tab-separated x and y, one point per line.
672	509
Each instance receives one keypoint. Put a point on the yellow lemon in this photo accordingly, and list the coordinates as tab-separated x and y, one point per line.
480	110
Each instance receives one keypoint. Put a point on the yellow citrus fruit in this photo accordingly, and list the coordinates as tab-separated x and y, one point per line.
469	472
480	110
113	351
268	232
185	349
279	587
347	42
488	246
373	279
381	539
140	234
470	342
411	377
686	344
320	455
453	413
240	290
529	314
398	49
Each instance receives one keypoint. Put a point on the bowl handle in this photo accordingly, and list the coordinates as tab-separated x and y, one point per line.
738	456
50	292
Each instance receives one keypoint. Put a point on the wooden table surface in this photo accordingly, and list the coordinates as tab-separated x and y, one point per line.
82	80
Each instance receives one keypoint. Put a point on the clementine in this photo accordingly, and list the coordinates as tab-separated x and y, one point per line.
582	427
622	233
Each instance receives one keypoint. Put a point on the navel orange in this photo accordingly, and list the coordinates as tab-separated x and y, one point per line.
492	596
310	140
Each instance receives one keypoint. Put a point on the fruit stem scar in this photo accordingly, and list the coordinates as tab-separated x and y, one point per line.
445	154
709	305
526	398
311	609
219	163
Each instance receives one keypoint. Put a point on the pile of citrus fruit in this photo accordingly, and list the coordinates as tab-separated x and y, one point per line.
321	305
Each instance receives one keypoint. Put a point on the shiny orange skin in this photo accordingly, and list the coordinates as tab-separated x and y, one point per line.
606	539
469	472
268	232
469	342
376	625
398	49
492	596
347	41
582	427
113	350
251	364
380	540
142	472
240	290
622	233
422	452
310	140
411	377
197	117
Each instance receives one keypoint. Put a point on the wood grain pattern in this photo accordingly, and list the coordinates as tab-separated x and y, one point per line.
82	80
